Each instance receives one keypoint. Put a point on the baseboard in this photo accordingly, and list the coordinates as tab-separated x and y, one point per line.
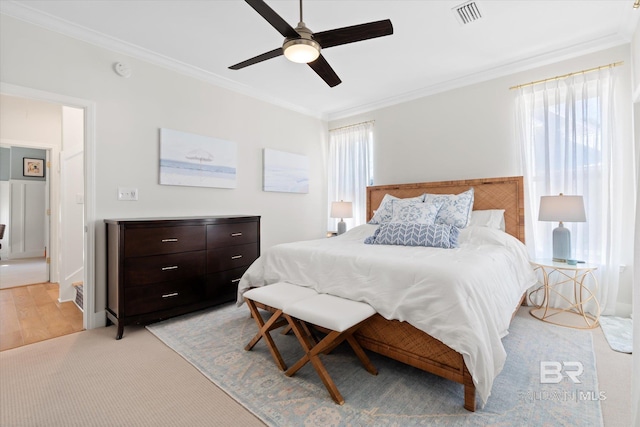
623	309
97	320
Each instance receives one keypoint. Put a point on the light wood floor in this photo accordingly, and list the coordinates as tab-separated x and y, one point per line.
32	313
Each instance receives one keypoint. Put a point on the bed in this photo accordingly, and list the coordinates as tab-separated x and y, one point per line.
462	345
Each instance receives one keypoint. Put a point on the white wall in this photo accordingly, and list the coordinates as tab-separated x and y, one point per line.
29	121
129	113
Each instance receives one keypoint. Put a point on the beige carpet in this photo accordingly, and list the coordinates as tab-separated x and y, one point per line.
90	379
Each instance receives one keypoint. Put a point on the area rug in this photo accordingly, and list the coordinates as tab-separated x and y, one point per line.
563	392
618	331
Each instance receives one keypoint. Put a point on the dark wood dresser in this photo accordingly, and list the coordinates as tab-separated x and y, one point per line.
163	267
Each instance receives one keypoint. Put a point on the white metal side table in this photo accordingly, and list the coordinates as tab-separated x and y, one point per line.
579	276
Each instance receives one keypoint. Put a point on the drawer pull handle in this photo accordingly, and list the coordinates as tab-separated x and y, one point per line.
172	267
235	280
175	294
236	257
169	240
236	234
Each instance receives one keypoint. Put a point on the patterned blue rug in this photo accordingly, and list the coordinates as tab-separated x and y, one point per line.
213	341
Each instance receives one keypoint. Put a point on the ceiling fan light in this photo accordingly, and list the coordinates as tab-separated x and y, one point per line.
301	50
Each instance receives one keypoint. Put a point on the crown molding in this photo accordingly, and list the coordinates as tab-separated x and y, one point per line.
524	64
70	29
25	13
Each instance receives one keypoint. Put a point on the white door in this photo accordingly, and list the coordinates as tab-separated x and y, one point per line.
71	259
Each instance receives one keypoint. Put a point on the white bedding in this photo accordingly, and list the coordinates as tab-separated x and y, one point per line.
464	297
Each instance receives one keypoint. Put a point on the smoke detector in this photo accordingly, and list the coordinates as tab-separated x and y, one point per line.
467	12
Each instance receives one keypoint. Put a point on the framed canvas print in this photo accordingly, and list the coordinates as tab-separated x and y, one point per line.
196	161
285	172
33	167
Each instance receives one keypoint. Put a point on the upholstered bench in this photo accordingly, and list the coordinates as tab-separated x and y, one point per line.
274	297
341	317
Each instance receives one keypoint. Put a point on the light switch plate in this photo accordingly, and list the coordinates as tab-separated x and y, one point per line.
127	193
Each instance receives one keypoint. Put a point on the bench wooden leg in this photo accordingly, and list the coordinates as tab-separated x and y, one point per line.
355	345
328	343
263	332
311	355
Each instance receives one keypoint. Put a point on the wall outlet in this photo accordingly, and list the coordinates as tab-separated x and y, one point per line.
126	193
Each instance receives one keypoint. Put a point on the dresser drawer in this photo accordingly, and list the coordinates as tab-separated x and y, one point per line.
163	268
161	296
163	240
223	286
220	235
231	257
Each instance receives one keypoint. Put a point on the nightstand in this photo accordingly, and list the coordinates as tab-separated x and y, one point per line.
584	284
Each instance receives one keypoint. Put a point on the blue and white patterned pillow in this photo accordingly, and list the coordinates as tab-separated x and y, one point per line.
384	213
410	211
456	208
412	234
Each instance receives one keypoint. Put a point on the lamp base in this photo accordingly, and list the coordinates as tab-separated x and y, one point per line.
561	243
342	227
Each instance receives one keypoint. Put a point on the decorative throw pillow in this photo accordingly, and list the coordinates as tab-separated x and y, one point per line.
410	211
385	210
412	234
456	208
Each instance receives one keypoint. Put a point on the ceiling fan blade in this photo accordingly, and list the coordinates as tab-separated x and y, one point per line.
355	33
267	55
324	70
273	18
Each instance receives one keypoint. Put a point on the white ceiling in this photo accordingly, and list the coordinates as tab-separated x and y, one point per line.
430	50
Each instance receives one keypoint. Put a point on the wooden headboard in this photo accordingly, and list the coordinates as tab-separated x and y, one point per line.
489	193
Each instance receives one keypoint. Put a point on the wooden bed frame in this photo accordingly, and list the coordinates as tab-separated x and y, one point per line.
407	344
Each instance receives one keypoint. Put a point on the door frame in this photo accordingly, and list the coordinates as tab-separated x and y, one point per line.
91	319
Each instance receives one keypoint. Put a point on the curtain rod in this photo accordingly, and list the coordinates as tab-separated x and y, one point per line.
564	76
356	124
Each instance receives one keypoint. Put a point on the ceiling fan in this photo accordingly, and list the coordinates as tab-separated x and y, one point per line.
303	45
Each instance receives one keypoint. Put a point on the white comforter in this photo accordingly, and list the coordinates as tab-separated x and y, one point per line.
464	297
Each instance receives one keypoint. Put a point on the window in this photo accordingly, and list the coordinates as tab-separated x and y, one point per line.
565	131
350	170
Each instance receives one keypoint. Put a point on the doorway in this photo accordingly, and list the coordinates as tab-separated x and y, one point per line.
62	200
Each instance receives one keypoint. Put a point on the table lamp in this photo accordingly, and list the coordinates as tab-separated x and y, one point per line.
562	209
341	210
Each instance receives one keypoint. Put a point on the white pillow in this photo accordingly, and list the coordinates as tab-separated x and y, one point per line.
492	218
411	211
456	208
384	213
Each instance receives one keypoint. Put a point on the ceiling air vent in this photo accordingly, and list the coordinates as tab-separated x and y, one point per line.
467	12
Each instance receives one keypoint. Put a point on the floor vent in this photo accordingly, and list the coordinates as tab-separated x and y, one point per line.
79	295
467	12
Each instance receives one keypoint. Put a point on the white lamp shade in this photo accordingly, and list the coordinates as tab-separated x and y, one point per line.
341	209
562	209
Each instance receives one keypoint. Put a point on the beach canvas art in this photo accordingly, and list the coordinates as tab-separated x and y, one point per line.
196	161
285	172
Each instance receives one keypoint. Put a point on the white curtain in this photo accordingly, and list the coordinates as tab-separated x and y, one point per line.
566	138
350	170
